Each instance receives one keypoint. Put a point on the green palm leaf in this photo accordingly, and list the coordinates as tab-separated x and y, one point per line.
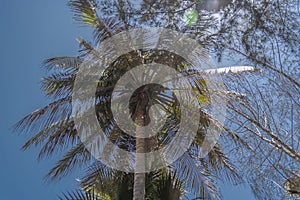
62	63
77	156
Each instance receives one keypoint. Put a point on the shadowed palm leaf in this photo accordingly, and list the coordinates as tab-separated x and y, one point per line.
84	195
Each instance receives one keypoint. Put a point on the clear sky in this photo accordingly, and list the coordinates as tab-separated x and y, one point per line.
31	31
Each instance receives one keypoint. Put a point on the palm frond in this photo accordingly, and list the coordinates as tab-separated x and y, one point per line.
77	156
84	195
222	166
195	176
107	27
64	63
169	186
59	139
44	117
218	162
63	127
103	179
58	84
98	176
86	48
85	11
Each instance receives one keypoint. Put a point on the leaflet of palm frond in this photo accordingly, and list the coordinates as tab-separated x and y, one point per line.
55	136
107	27
194	175
65	63
59	140
85	48
125	189
100	177
104	179
169	187
44	117
63	128
104	27
77	156
58	85
218	161
84	11
222	166
84	195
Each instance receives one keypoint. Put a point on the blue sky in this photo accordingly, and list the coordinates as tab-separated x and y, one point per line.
32	31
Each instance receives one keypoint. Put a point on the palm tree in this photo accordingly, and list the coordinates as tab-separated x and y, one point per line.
55	129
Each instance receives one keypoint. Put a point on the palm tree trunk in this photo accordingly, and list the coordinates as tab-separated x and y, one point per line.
139	178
